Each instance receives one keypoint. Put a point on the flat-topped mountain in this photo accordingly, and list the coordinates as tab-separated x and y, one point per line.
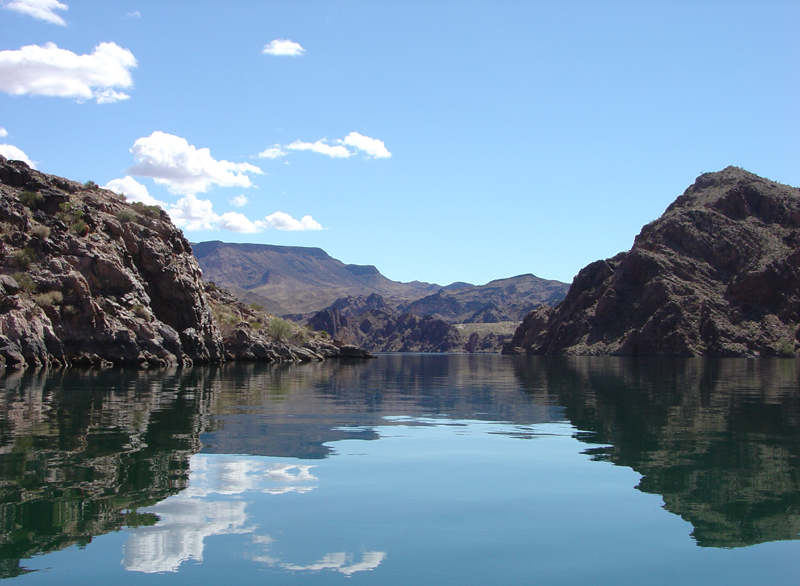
295	279
298	281
718	274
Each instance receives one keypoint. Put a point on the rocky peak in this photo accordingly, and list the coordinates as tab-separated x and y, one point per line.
717	274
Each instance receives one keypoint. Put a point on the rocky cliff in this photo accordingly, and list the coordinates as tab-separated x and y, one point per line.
718	274
86	278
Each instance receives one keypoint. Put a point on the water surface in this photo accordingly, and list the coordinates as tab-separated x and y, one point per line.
408	468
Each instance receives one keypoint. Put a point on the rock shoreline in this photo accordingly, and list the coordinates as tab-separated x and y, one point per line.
88	279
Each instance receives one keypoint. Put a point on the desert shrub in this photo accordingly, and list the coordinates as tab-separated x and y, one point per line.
25	282
23	258
41	231
146	210
126	215
324	335
140	311
786	348
256	307
49	298
90	185
80	228
280	329
299	336
30	199
255	324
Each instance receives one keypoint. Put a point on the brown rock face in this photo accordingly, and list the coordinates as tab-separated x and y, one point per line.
718	274
86	278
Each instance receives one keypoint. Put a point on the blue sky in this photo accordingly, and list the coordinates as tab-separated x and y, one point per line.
440	141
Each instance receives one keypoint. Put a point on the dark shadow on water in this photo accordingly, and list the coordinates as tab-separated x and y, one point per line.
719	439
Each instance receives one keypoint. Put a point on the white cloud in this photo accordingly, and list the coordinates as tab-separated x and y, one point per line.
184	169
9	151
133	191
191	214
239	201
321	147
372	146
273	152
281	221
134	14
236	222
50	71
3	132
41	9
283	47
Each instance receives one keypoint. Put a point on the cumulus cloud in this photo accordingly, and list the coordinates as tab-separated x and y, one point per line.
371	146
50	71
184	169
239	201
192	214
3	132
133	191
321	147
283	47
236	222
9	151
273	152
281	221
41	9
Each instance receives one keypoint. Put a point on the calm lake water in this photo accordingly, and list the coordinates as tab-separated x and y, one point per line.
408	469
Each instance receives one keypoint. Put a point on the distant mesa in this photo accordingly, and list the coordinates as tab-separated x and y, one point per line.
718	274
356	304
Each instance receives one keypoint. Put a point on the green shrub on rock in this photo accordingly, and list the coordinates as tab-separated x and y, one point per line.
30	199
280	329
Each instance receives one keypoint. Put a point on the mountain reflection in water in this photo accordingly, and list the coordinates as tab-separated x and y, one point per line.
85	453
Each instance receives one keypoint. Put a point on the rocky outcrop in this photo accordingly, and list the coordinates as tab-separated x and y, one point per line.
369	322
252	336
88	279
718	274
381	331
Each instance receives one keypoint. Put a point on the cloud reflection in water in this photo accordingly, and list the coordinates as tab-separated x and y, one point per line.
186	519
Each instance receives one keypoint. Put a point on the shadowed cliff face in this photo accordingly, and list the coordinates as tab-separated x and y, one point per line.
717	275
719	439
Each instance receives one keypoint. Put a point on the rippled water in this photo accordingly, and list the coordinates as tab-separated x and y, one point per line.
405	469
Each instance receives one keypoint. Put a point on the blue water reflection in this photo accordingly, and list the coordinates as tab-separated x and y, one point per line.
445	469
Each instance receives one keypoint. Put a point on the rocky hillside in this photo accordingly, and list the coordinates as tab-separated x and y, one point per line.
86	278
369	322
295	279
501	300
718	274
296	282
